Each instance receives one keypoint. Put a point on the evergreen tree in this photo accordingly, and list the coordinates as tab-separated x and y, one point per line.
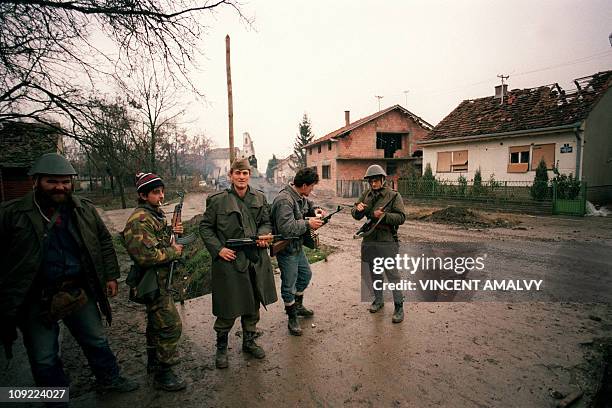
303	138
539	189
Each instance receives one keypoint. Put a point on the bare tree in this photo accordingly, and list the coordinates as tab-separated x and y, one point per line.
155	96
53	53
110	138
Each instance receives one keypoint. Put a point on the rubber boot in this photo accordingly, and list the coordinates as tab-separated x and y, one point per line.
249	346
167	380
293	323
301	310
152	362
221	356
398	314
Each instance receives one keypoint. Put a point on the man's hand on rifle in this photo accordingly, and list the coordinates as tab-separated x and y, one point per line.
178	228
178	248
315	223
378	213
361	207
320	213
227	254
264	241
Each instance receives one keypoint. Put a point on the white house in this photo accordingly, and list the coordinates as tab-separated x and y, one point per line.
284	171
507	135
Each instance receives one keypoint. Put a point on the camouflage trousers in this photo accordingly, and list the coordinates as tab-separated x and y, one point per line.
164	328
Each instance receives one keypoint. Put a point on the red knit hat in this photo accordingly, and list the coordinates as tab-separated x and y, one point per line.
146	182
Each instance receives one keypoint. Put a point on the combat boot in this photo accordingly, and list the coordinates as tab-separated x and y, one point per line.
167	380
293	323
376	306
221	356
299	306
398	314
152	361
249	346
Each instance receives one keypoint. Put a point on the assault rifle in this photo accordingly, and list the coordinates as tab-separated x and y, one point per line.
174	238
240	244
328	216
370	224
310	238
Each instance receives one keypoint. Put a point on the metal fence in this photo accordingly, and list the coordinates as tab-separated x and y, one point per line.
546	197
493	191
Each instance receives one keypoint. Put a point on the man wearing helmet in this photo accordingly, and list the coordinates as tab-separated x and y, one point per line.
385	208
59	264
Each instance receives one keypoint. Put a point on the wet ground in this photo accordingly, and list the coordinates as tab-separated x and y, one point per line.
467	354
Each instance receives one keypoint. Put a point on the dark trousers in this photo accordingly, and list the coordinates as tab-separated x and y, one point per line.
41	341
249	323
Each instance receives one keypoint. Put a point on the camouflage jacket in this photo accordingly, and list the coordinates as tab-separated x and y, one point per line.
147	239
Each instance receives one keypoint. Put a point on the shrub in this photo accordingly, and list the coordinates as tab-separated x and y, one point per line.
539	189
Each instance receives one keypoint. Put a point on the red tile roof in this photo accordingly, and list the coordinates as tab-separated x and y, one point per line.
523	109
343	131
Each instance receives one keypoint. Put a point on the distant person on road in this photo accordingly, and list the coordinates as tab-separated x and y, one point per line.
384	207
241	280
59	263
289	210
147	239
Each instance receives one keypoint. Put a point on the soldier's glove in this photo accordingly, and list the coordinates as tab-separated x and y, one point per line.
9	335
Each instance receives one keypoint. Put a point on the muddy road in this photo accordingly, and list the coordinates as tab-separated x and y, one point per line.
465	354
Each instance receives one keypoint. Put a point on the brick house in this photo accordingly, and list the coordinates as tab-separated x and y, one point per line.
506	135
387	138
21	144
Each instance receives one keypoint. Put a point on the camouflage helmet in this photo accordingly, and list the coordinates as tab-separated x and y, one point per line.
373	171
53	164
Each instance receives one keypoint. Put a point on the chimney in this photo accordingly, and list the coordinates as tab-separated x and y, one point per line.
347	117
501	91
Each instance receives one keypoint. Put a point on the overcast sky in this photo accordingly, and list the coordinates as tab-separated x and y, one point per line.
322	58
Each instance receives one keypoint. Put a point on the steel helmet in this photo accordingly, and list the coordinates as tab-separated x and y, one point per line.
374	170
53	164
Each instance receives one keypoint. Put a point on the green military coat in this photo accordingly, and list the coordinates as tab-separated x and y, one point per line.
394	215
233	292
21	240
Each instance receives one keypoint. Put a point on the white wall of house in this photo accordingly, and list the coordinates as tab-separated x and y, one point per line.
493	157
283	173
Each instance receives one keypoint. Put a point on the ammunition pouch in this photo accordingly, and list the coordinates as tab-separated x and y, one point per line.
69	298
144	287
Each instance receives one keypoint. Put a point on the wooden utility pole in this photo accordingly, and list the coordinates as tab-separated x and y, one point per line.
230	103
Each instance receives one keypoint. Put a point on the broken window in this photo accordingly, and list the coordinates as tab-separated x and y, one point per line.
543	151
325	172
391	169
390	142
452	161
519	159
329	145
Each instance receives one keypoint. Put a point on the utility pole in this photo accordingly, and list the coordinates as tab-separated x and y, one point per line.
379	98
230	102
502	86
406	95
